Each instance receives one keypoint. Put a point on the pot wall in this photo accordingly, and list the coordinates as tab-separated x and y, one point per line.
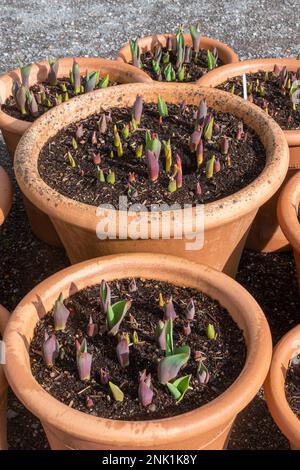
13	129
207	427
265	234
226	221
5	195
4	317
289	424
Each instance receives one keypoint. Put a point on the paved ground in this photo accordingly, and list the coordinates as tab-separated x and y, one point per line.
33	30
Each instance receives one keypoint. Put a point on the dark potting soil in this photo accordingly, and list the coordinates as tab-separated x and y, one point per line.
292	386
225	355
81	183
52	91
195	69
279	106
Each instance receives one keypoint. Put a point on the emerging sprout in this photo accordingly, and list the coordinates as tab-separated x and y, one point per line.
135	53
168	154
52	74
91	80
32	104
102	124
96	158
50	349
84	360
153	165
172	186
169	73
190	311
162	108
92	328
100	175
72	160
60	314
115	315
195	140
211	60
153	144
123	352
210	167
79	132
116	392
138	109
161	300
178	169
105	296
210	331
145	392
94	138
125	131
132	286
208	128
224	145
111	177
199	153
21	98
187	329
179	387
169	311
104	376
25	73
198	190
104	82
89	403
217	166
76	79
202	373
196	36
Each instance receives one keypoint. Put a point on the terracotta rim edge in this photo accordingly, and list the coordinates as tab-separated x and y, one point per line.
287	208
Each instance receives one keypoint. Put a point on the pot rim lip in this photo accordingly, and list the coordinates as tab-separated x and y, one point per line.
216	77
226	405
161	36
286	349
4	317
287	211
226	209
6	195
19	126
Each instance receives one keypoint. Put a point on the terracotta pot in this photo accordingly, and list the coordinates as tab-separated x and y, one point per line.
4	317
265	234
226	221
207	427
226	54
5	195
287	213
289	424
13	129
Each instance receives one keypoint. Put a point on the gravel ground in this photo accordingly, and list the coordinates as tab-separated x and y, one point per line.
36	29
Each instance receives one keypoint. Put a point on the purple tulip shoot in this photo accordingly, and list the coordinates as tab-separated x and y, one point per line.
60	314
104	376
138	109
153	165
190	311
202	373
92	328
84	366
169	310
53	71
105	296
50	349
123	352
89	403
145	392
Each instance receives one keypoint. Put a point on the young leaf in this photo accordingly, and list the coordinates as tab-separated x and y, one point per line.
135	53
145	392
196	36
169	366
115	315
116	392
91	81
162	107
76	77
210	167
105	295
168	154
169	310
179	387
208	128
202	373
210	331
52	74
104	82
25	73
211	60
60	314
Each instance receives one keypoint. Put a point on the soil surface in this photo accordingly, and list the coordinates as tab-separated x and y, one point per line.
247	160
292	385
279	106
194	70
52	92
225	355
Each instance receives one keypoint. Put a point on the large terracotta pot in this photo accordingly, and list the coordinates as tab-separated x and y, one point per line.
289	424
13	129
287	212
226	54
207	427
226	221
5	195
265	234
4	317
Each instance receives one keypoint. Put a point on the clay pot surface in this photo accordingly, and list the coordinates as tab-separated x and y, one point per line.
207	427
148	43
6	195
4	317
287	212
265	234
289	424
13	129
226	221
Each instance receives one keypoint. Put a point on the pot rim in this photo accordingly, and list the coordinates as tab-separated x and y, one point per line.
221	74
287	211
287	348
5	195
225	52
18	126
222	211
4	317
244	309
